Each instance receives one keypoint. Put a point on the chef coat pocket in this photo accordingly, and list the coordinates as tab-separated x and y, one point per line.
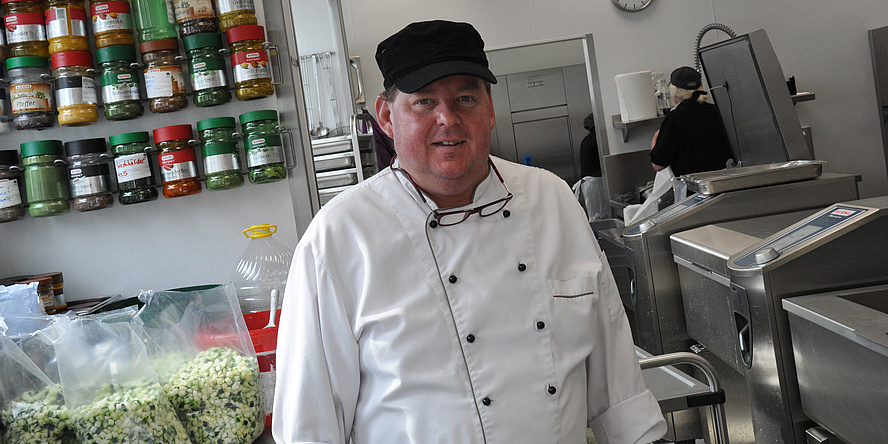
573	288
573	302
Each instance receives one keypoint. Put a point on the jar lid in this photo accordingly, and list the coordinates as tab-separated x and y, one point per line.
215	122
26	62
41	147
71	58
85	146
172	132
262	114
245	32
121	139
211	149
116	52
56	276
9	157
3	2
158	45
203	40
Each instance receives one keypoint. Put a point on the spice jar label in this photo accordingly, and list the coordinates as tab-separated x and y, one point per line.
208	74
192	9
164	81
75	91
224	6
221	162
25	27
63	22
28	97
132	167
177	165
89	179
10	195
250	65
264	150
119	87
111	16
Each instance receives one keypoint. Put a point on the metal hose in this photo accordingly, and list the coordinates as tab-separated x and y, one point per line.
702	32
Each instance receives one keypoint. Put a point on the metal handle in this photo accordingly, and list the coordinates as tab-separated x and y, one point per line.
271	47
59	162
359	97
291	149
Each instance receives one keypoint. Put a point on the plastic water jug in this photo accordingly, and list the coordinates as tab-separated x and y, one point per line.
262	267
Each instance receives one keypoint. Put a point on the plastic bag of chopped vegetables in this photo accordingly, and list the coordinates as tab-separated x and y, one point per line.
110	387
201	348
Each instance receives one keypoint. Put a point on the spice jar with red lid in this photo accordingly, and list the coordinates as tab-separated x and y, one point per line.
177	161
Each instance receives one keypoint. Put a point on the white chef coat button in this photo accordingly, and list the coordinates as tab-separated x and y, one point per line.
452	279
485	401
433	224
541	325
522	267
470	338
507	213
552	390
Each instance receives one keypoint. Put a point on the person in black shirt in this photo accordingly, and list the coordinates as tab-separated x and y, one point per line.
590	164
692	137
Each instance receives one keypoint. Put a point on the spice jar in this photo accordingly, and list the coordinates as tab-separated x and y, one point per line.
112	22
219	150
30	92
88	174
11	207
194	16
155	20
4	50
120	82
178	164
262	146
66	26
75	88
207	67
58	289
135	181
249	61
44	292
164	80
45	184
234	13
25	28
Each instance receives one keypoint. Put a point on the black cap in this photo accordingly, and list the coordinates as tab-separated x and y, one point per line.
425	52
686	78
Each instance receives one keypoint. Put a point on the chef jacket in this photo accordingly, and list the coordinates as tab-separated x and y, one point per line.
501	329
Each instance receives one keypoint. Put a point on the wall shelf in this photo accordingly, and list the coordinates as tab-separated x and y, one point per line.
802	97
626	126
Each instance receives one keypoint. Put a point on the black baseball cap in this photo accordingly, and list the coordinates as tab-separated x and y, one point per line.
425	52
686	78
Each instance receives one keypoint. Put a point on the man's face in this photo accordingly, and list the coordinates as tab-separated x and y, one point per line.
442	135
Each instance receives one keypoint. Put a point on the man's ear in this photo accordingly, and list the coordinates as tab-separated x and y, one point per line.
384	115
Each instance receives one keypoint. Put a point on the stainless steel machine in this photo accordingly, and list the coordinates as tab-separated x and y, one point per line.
840	247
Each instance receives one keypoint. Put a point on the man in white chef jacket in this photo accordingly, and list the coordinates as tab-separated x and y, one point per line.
454	298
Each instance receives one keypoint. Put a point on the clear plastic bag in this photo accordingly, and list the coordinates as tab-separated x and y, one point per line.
16	303
263	267
199	344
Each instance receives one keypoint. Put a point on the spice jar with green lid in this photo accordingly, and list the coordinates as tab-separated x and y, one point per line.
30	92
11	207
263	146
133	165
249	61
46	186
89	176
219	150
207	65
178	163
120	82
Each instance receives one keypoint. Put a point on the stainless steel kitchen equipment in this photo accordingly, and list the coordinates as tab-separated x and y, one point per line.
846	327
654	299
842	246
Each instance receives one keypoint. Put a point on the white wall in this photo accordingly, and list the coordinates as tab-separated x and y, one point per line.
822	43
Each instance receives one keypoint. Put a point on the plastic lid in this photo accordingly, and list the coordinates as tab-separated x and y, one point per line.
245	32
157	45
71	58
211	149
121	139
262	114
203	40
259	231
9	157
3	2
116	52
215	122
26	62
85	146
172	132
41	147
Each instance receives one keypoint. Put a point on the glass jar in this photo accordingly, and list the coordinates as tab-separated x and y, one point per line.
89	176
44	292
76	99
263	146
30	92
194	17
164	79
133	165
58	289
4	49
112	22
249	61
178	164
219	150
25	28
120	82
45	185
207	67
234	13
66	26
155	20
11	207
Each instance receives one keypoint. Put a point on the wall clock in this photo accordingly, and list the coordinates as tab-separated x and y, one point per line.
631	5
